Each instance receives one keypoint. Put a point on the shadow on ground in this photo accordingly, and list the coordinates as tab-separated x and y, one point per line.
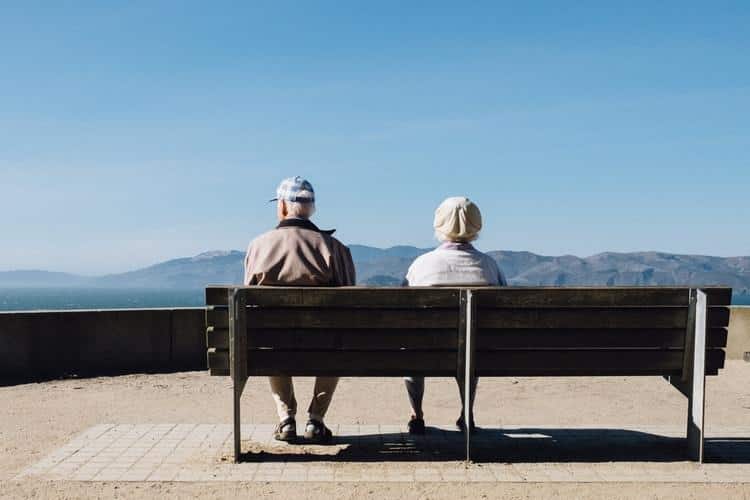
498	445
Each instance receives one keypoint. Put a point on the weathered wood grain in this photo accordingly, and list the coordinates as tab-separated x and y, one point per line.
557	297
351	297
589	363
351	318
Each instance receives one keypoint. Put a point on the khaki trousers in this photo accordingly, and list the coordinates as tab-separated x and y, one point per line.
282	390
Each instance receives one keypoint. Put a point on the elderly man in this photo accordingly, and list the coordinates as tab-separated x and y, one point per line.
297	253
454	263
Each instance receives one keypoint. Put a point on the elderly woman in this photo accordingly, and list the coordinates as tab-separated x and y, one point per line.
454	263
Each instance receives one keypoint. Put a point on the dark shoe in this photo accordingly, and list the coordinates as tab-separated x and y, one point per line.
462	426
286	430
416	426
317	432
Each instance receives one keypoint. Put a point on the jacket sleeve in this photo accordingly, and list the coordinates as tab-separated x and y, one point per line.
344	273
248	274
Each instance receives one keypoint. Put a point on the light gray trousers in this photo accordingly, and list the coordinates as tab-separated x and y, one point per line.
415	389
282	390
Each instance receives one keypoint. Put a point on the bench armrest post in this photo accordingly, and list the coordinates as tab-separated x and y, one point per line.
692	382
697	374
237	356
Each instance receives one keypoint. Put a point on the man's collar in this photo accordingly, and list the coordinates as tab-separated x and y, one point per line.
304	224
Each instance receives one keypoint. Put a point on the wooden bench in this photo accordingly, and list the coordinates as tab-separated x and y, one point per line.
678	333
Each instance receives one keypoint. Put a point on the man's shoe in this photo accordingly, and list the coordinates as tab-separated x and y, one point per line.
317	432
286	430
462	426
416	426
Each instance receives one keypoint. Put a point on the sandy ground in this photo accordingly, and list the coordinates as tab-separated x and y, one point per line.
37	418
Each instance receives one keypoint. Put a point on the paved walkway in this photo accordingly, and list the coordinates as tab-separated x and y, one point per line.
202	452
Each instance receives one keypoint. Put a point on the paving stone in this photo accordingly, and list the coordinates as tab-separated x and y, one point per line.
192	452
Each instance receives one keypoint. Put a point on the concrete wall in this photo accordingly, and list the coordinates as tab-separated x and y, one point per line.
37	345
738	342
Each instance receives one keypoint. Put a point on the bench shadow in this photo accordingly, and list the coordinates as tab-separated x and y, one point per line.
497	445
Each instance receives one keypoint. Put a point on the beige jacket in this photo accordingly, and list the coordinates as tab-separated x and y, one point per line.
297	253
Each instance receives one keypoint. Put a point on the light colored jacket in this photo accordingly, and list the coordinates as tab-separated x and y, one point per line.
297	253
454	264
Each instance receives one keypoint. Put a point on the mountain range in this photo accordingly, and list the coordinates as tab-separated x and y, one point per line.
383	267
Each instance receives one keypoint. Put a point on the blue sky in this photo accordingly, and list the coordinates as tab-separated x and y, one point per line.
138	131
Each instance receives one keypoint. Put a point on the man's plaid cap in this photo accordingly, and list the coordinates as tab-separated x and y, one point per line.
295	189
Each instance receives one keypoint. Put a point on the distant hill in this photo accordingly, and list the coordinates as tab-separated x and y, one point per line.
636	268
387	267
191	272
383	267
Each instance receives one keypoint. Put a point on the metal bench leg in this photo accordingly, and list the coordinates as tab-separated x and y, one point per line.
237	358
237	432
697	380
692	383
466	368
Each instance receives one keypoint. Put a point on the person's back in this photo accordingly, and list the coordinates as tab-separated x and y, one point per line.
297	253
454	263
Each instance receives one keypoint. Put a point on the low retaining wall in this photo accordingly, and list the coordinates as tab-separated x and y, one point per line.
38	345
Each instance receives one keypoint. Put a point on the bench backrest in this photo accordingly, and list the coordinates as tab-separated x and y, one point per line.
355	331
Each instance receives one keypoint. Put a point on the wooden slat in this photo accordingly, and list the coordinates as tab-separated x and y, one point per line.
716	338
549	338
354	339
718	295
580	297
217	316
628	317
443	363
349	318
598	318
715	359
216	295
345	363
561	338
588	363
354	297
217	337
718	317
539	297
218	359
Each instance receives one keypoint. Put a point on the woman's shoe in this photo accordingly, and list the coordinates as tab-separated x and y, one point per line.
462	426
416	425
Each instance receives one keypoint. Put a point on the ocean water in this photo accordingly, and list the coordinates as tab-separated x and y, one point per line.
30	299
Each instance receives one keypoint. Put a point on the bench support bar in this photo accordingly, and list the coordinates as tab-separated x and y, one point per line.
237	357
466	367
693	381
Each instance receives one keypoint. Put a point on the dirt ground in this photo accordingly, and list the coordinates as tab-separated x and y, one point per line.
37	418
